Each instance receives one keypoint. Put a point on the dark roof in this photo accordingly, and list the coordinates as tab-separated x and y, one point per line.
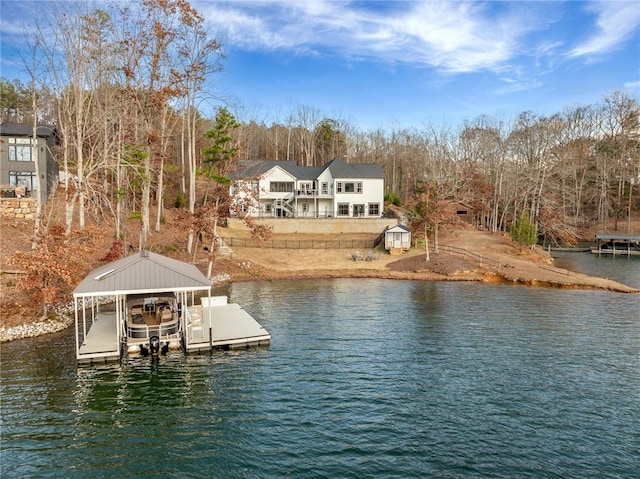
399	229
143	272
25	129
252	169
338	168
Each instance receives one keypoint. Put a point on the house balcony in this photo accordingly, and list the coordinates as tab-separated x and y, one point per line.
313	194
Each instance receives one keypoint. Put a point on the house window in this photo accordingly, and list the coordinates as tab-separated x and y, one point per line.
268	208
349	187
325	188
305	189
374	209
25	178
20	149
339	187
343	209
281	187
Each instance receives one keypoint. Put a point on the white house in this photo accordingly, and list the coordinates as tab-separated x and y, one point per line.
283	189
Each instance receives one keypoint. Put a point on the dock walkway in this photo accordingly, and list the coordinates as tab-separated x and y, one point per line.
218	325
101	340
231	328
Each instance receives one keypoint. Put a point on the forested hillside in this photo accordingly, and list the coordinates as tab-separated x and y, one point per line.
124	88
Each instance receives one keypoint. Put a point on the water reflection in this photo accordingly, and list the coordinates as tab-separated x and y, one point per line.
363	378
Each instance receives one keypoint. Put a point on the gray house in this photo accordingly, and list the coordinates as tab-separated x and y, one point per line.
18	156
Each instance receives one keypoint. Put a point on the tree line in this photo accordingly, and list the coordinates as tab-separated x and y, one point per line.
125	86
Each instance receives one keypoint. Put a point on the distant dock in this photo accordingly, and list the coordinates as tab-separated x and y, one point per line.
617	244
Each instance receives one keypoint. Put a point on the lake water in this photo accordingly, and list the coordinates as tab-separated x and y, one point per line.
364	378
625	269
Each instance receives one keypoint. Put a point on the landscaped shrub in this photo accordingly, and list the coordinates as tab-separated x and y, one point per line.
392	198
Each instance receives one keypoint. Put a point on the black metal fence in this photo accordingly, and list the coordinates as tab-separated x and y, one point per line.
303	243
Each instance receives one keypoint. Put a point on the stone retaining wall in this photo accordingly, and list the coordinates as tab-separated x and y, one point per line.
23	208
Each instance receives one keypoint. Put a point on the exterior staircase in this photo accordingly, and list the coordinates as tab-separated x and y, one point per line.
285	206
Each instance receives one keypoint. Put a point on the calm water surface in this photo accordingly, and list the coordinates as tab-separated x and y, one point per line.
625	269
364	378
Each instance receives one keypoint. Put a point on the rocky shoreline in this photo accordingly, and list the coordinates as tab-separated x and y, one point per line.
44	326
32	330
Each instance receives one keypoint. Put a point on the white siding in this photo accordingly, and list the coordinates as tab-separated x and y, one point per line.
372	192
324	199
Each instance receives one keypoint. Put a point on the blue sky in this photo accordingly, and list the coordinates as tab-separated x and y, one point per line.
388	64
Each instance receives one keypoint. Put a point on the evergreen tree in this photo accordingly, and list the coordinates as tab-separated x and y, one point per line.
222	152
523	231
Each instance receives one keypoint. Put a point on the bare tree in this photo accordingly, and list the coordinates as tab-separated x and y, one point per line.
305	119
619	153
68	43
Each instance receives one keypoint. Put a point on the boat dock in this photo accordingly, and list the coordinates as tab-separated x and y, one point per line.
217	326
146	304
617	244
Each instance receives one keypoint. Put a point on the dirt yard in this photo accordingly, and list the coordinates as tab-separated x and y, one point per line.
495	258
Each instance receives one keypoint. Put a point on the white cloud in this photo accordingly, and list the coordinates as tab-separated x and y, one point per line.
615	23
633	86
458	37
452	36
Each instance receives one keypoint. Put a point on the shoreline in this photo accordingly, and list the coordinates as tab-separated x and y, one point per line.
66	318
580	281
257	264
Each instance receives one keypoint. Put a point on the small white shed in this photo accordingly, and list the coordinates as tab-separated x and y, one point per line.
397	239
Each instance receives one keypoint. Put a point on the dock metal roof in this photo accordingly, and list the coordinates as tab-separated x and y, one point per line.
143	272
614	237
